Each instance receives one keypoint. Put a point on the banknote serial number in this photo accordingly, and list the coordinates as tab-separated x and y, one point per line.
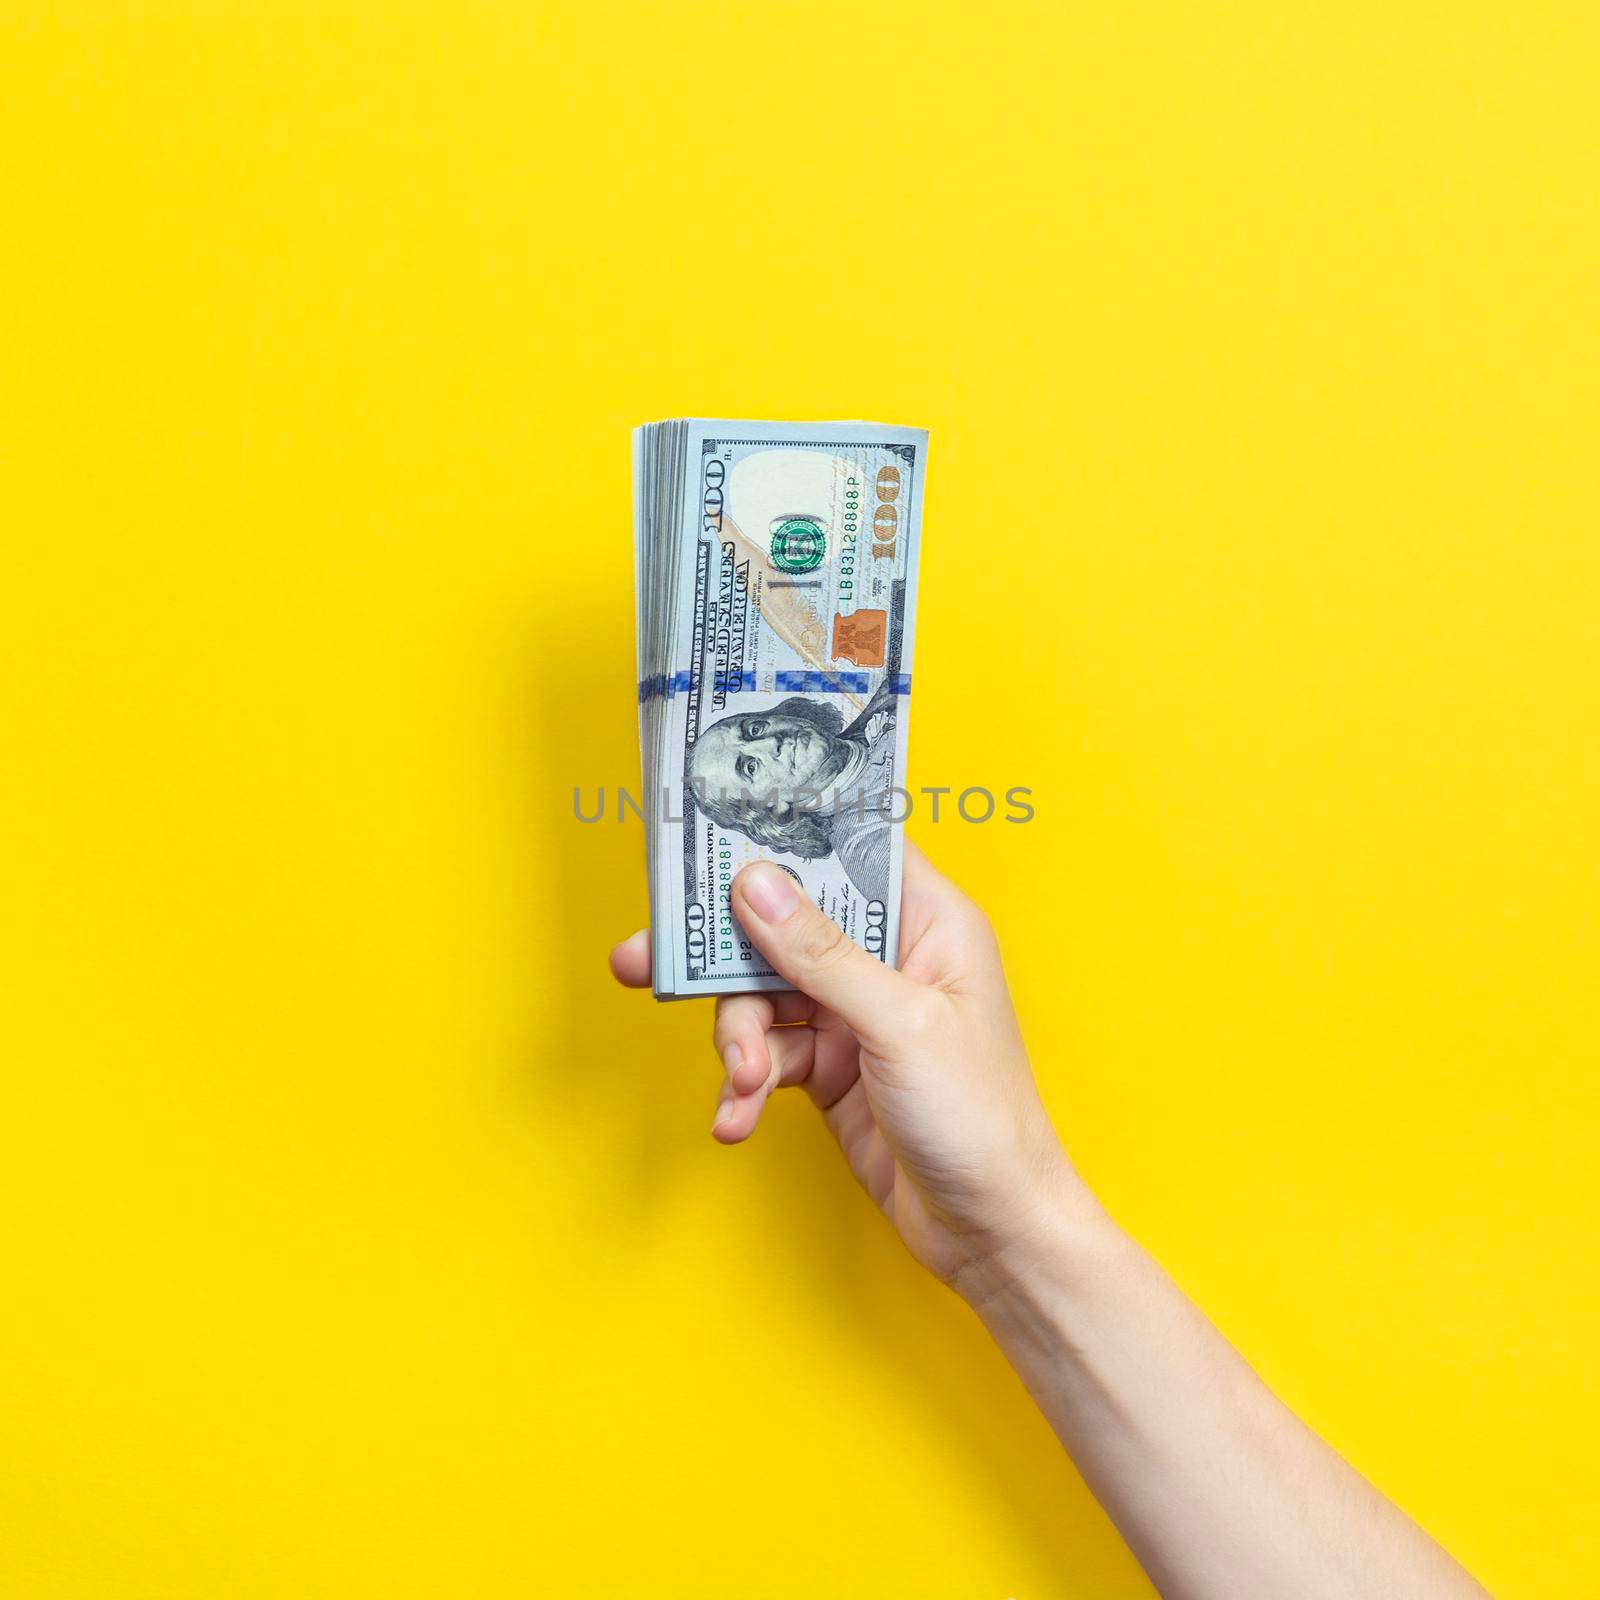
849	528
731	943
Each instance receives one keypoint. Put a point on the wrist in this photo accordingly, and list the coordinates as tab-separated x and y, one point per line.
1061	1240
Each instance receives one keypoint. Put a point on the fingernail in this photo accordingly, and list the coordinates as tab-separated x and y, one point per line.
772	893
732	1058
724	1111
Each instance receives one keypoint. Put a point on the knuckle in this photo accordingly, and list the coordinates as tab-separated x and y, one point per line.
824	945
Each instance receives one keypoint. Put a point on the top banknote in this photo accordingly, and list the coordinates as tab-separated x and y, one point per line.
776	581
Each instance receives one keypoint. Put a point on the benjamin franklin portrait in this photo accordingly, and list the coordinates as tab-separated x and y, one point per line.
799	782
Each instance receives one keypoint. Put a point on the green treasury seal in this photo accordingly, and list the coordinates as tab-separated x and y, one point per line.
798	544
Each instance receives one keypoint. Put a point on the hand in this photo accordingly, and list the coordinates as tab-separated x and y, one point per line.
920	1074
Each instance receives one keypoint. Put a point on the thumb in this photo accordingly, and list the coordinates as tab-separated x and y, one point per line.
815	954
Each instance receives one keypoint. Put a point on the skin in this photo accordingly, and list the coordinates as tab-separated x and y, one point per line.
922	1076
759	754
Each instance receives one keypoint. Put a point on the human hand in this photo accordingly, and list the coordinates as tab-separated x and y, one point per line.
922	1077
920	1074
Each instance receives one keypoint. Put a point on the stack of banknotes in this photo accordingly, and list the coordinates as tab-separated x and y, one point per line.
775	569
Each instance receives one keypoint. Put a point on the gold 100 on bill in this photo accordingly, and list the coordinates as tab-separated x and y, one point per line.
775	570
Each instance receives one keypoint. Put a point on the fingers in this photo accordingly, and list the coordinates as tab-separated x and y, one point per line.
760	1047
754	1061
740	1033
826	1062
816	955
835	1067
790	1052
630	961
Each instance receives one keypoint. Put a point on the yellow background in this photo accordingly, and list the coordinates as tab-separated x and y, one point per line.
359	1238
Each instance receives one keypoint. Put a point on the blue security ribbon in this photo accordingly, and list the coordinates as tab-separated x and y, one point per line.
668	684
665	684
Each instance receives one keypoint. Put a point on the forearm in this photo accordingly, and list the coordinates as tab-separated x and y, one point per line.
1221	1492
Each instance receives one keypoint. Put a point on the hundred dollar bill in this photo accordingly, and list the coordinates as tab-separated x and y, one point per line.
775	581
